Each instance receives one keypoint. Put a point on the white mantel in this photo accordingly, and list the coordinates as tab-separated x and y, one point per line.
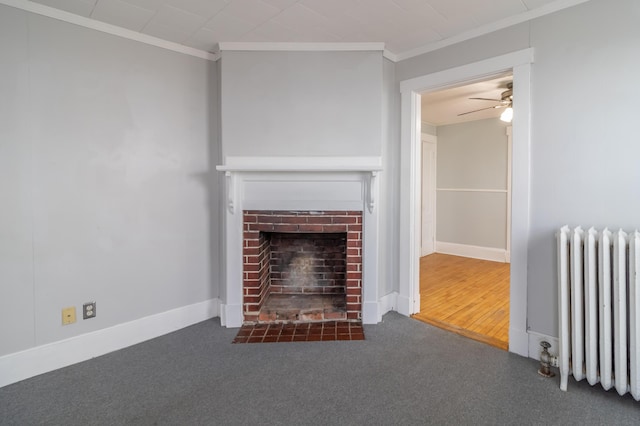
299	183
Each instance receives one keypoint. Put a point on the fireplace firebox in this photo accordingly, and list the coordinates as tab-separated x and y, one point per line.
302	266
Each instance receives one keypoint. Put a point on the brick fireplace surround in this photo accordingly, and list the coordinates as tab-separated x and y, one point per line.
318	256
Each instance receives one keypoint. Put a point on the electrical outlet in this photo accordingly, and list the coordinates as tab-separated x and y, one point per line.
89	310
68	315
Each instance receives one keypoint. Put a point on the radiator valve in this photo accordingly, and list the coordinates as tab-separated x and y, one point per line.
545	360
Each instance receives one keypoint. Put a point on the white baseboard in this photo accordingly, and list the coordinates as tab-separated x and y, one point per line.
42	359
475	252
231	315
388	303
535	348
371	313
519	342
404	305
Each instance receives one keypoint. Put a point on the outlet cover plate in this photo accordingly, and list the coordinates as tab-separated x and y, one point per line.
89	310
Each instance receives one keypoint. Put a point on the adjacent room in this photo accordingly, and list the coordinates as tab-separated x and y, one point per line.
466	199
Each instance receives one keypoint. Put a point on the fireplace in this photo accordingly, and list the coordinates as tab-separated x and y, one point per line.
302	266
286	199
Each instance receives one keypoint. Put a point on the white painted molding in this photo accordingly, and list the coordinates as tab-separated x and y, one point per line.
301	164
93	24
534	344
300	47
518	341
42	359
476	71
371	313
475	252
388	303
502	191
489	28
389	55
519	63
231	315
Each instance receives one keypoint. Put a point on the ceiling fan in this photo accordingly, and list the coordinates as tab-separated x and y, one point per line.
505	101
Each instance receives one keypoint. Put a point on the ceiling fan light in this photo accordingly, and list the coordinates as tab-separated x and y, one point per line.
507	115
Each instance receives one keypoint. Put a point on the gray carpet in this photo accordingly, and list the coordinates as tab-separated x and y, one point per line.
406	372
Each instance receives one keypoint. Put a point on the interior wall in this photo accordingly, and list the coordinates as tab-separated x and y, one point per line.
389	182
472	156
301	103
107	149
583	144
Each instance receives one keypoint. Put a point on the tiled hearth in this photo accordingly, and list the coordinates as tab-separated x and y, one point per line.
302	332
302	266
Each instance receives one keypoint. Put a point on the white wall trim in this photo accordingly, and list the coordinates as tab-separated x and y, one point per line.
519	63
489	28
300	47
502	191
388	303
300	164
42	359
93	24
534	340
476	252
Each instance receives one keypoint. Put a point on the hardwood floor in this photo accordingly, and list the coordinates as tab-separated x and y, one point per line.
466	296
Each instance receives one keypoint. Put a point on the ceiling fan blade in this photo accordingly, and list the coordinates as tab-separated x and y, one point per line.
487	99
482	109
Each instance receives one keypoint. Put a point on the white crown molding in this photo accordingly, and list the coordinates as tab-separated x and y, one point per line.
300	47
82	21
489	28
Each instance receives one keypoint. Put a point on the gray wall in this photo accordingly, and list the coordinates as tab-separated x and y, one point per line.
584	150
472	155
301	103
107	149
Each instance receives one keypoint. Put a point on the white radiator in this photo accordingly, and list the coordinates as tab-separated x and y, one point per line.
599	308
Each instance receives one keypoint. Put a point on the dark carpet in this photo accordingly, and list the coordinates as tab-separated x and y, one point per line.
405	373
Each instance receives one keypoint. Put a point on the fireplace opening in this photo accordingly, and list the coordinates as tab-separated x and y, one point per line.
302	266
307	273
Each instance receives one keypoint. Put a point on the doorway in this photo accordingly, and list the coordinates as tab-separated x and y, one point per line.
464	274
519	63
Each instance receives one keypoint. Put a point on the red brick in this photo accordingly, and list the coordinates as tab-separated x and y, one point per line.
269	219
318	219
294	219
352	299
354	291
252	268
251	260
354	243
345	219
251	243
353	236
354	315
310	228
355	228
354	213
353	252
249	218
252	290
285	227
250	317
251	235
334	228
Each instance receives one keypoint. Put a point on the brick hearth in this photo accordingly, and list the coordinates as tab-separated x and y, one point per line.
302	266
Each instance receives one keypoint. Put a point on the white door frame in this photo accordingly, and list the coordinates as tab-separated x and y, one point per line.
410	233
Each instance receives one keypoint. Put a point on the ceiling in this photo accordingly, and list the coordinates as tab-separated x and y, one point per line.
442	107
403	25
